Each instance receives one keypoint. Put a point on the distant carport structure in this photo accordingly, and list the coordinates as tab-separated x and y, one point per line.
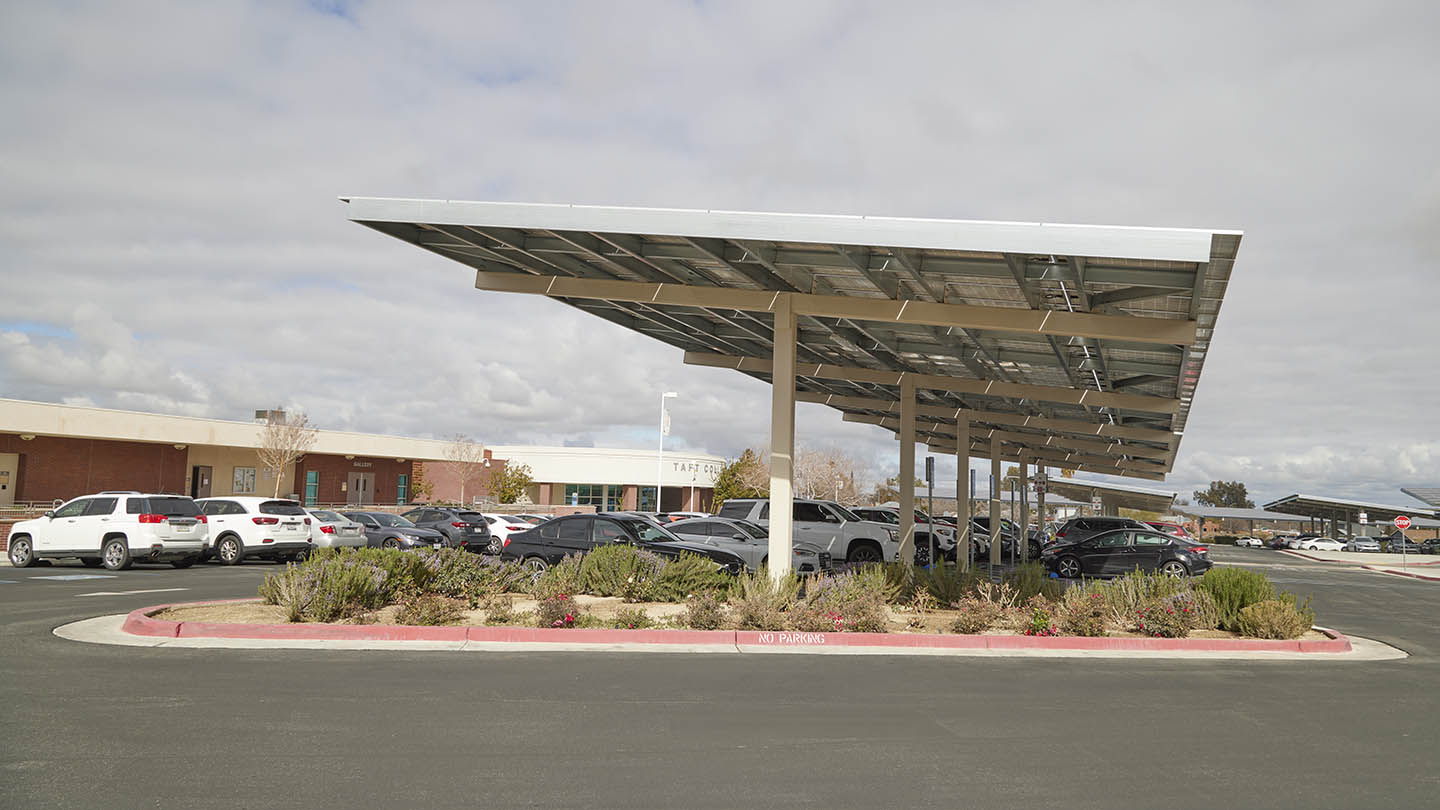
1249	517
1113	496
1062	345
1329	514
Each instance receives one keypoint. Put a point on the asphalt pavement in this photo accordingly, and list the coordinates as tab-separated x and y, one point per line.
99	726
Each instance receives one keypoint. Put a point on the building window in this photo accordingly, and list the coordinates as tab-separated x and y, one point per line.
402	486
312	487
244	483
585	495
614	498
647	500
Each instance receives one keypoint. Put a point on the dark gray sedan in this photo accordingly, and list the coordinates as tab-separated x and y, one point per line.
748	541
384	530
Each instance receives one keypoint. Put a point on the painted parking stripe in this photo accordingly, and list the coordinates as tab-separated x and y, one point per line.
9	581
73	577
127	593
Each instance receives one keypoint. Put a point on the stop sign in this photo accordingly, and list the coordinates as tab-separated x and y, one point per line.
1402	523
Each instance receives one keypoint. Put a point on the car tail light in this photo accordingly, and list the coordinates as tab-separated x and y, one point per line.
459	525
505	543
152	518
1200	549
327	529
307	521
517	528
201	518
265	521
1060	534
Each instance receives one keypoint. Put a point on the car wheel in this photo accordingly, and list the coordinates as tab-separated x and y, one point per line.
90	562
300	556
536	565
185	563
390	542
1174	568
115	554
230	550
495	546
1068	567
22	554
865	553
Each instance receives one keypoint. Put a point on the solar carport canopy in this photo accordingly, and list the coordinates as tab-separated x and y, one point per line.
1070	345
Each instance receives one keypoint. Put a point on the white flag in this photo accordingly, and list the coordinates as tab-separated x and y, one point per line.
664	421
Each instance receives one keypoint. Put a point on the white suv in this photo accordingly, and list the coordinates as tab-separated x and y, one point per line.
244	526
826	525
114	529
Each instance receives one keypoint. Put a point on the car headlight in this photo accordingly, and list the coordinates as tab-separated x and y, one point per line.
804	552
894	535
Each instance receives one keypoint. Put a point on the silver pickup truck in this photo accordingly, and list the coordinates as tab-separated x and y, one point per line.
826	525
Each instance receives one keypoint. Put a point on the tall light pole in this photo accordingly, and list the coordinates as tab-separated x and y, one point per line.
660	457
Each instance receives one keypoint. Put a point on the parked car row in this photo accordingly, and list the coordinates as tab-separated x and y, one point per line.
1116	551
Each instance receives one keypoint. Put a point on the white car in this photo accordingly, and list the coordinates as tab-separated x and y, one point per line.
1250	542
825	525
1322	544
114	529
244	526
502	526
333	530
944	535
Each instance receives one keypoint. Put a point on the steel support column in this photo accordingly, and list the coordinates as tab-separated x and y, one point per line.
997	524
962	494
1023	552
907	470
782	439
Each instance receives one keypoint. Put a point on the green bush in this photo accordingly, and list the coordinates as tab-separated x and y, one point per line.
1199	606
327	588
900	580
556	610
405	570
704	611
689	575
853	601
631	619
427	609
760	603
947	585
1041	621
1083	612
1161	617
977	614
1233	590
1276	618
565	577
458	573
499	610
620	570
1125	595
1031	580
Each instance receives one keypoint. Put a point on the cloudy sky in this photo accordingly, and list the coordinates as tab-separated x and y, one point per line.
170	238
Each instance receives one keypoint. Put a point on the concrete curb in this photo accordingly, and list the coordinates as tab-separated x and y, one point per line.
1302	555
141	622
1392	572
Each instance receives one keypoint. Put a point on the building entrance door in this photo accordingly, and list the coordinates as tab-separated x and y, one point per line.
200	482
360	489
9	477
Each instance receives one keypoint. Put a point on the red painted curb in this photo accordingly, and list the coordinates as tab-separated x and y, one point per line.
140	623
1401	573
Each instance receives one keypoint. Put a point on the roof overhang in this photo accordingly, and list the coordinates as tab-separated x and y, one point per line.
1338	508
1121	495
1075	345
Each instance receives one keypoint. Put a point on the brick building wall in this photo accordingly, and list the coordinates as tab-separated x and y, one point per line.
53	467
335	470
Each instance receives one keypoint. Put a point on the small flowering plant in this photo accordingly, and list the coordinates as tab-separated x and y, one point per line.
556	610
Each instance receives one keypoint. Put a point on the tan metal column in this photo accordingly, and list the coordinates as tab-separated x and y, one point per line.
1024	551
782	438
962	493
907	470
1040	500
996	522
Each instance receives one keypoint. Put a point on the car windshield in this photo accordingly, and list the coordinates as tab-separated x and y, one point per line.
752	530
473	517
327	516
845	514
392	520
649	532
174	507
881	516
288	508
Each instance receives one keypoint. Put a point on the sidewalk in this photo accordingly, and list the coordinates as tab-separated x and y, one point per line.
1427	574
1364	558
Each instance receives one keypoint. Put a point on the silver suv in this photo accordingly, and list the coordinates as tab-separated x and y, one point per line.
114	529
825	525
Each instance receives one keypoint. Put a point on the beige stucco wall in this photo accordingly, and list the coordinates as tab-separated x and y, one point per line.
224	460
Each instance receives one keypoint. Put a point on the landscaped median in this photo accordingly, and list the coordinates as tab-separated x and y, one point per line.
622	596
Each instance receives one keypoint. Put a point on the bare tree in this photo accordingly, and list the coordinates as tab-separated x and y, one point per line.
825	473
283	440
465	459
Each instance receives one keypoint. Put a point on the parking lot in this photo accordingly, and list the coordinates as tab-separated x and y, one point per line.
230	728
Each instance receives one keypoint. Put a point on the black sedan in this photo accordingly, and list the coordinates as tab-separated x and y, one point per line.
463	528
549	543
384	530
1117	552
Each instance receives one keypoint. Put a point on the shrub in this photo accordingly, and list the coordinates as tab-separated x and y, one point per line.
556	610
564	577
1041	622
704	611
508	576
458	573
631	619
1031	580
1126	595
760	603
1233	590
854	600
900	580
1083	612
977	615
499	610
621	570
947	585
406	570
1200	607
327	588
1162	618
689	575
1276	618
427	609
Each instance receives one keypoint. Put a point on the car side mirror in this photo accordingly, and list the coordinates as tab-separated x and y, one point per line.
737	536
50	515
